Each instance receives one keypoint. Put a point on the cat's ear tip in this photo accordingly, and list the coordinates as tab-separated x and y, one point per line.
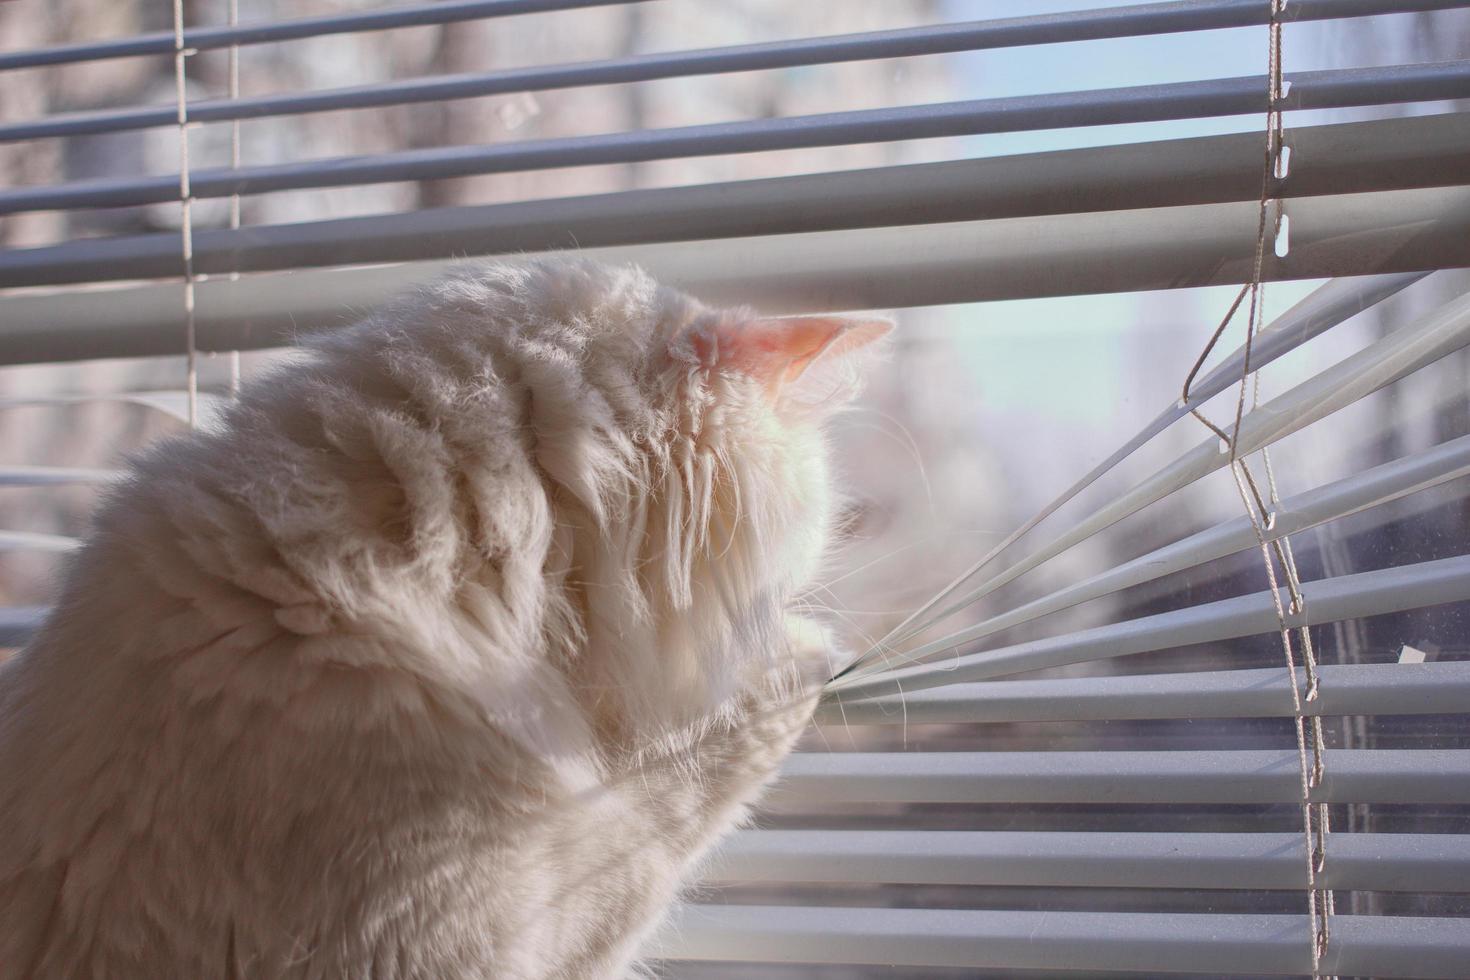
847	333
869	327
779	349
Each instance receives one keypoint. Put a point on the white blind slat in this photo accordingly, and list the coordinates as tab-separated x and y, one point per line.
19	623
861	269
1159	777
33	541
1153	943
169	402
1328	600
1347	689
1357	492
1371	862
53	476
286	29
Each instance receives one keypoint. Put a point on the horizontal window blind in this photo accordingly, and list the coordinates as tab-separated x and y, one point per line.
1152	943
1382	155
1153	821
234	35
1184	100
1371	862
903	265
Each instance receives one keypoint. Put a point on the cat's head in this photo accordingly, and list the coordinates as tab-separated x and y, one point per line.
684	446
751	396
739	497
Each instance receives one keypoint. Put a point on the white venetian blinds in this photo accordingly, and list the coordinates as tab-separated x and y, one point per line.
996	795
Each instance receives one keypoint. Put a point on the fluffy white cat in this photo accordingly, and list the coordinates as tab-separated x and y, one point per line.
445	657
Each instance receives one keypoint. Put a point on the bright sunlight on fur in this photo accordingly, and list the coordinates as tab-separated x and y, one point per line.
446	655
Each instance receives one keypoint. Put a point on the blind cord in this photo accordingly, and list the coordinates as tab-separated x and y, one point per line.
1261	511
186	236
233	16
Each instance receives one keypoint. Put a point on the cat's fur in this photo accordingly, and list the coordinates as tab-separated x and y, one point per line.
445	657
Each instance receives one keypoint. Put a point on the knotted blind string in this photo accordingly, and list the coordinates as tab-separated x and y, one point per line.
1315	820
186	230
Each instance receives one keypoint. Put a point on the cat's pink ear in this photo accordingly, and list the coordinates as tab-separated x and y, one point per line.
778	350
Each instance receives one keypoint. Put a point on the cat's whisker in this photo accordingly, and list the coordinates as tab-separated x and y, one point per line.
811	590
916	543
842	713
868	564
867	612
903	705
909	443
866	636
861	633
806	598
823	736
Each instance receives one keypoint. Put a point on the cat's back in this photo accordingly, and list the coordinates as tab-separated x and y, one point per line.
202	781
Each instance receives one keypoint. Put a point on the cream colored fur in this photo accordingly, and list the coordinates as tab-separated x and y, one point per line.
444	658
